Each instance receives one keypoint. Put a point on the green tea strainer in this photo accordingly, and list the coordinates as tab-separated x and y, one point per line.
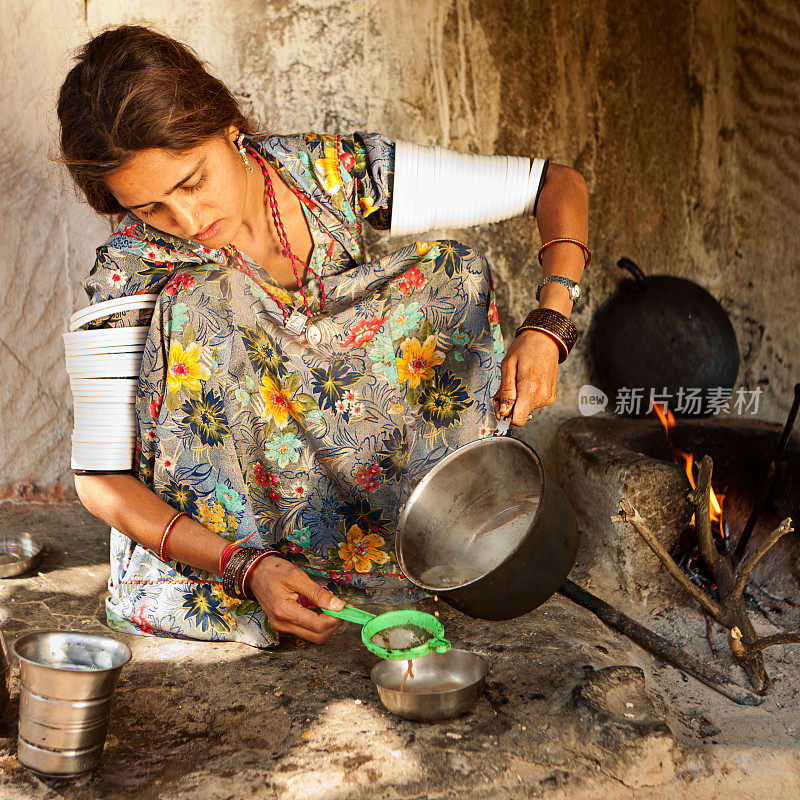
397	635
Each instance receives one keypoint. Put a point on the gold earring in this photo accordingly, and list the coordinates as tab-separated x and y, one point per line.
242	153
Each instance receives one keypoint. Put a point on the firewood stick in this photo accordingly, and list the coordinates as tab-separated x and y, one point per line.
753	602
658	645
701	498
750	562
766	486
632	516
778	638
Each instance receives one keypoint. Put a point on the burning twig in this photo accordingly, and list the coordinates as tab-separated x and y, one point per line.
769	479
730	611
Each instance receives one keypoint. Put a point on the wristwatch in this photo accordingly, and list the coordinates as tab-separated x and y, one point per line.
574	289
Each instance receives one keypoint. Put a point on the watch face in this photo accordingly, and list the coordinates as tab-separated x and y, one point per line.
572	287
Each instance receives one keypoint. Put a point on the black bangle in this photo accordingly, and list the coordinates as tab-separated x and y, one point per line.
102	472
541	184
230	575
238	567
556	325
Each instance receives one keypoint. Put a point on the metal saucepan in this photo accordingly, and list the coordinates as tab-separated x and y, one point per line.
488	530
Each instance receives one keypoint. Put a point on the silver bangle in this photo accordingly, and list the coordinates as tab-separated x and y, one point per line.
574	289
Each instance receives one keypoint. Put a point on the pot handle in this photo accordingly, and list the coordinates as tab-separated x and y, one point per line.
638	275
503	426
505	422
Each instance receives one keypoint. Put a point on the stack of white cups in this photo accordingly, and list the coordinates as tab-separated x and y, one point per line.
436	188
103	367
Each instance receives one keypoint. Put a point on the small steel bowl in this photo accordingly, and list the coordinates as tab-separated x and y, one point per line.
19	553
444	685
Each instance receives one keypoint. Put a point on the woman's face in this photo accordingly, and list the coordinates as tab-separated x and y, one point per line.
197	194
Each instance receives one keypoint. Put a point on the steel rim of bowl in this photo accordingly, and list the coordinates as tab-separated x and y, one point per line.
482	663
428	478
29	552
29	545
78	637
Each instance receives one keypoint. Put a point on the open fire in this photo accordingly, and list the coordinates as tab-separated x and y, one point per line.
703	566
687	551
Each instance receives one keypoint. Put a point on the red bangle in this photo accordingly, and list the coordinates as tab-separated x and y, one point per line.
587	253
167	532
264	554
226	555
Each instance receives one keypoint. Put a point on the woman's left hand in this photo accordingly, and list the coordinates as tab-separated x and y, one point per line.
528	376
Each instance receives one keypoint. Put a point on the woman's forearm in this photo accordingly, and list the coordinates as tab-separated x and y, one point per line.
563	210
129	506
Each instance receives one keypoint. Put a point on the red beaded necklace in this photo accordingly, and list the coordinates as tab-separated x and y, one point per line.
294	321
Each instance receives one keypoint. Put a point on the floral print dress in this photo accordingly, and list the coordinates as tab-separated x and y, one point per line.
267	440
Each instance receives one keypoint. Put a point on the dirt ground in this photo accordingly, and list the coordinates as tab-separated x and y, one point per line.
220	721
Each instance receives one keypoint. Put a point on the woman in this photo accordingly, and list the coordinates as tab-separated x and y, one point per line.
299	442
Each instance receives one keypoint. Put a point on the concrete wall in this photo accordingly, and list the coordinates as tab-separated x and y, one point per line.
683	116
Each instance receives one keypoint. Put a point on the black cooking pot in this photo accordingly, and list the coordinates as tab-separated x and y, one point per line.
488	530
663	333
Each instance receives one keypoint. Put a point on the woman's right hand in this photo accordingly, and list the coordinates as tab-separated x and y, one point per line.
278	586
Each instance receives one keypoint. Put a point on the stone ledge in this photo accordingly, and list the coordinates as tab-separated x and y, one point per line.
595	468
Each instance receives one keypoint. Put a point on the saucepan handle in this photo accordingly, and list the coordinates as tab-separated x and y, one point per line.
504	424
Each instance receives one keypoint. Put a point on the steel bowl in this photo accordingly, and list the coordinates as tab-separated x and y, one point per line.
444	685
19	553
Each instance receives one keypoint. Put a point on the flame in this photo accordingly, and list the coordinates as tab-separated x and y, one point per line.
715	501
666	417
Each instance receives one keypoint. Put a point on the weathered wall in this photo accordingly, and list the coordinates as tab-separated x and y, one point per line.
683	116
46	239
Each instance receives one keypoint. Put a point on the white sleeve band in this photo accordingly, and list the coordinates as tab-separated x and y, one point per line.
103	367
435	188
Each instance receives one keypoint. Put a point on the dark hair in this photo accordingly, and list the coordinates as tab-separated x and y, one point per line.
134	89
